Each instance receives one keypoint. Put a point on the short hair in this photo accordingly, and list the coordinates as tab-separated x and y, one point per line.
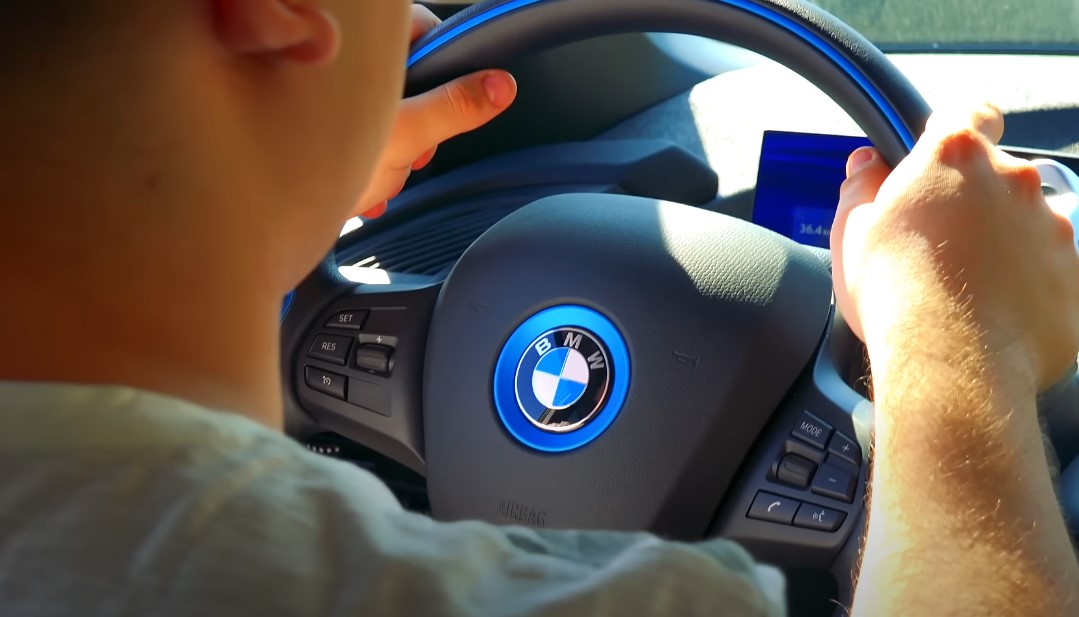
37	33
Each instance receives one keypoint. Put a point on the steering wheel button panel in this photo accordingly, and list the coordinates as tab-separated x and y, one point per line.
845	449
773	508
812	430
349	320
795	470
331	348
325	382
833	481
812	516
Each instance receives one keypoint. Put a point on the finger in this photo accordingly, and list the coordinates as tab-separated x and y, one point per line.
371	212
375	211
384	187
424	159
423	21
866	172
984	118
460	106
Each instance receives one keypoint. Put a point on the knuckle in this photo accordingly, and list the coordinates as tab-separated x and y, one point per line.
1023	176
961	146
458	101
850	186
1065	230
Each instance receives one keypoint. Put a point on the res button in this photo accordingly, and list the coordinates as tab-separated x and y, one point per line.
330	348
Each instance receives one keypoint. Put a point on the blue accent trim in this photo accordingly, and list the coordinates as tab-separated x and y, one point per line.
769	14
506	368
476	20
287	304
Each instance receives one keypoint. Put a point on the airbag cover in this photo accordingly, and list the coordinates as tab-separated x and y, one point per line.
719	318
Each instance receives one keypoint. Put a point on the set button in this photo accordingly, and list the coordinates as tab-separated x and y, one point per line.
352	319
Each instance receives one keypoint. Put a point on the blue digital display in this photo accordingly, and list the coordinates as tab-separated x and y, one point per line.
798	183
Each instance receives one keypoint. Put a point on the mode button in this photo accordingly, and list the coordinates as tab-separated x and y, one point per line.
812	430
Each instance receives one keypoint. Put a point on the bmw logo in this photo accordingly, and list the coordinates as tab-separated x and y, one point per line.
561	378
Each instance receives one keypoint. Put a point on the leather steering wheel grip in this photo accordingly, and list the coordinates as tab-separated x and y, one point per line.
801	36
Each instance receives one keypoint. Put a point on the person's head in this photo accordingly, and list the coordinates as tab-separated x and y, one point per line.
169	169
231	127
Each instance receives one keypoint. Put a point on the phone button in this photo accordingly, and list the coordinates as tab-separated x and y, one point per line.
773	508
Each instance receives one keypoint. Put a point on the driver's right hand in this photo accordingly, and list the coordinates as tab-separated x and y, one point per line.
957	241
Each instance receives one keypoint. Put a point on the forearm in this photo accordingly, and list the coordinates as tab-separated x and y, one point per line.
963	516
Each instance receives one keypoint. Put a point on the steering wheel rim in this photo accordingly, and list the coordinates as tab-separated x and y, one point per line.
801	36
822	49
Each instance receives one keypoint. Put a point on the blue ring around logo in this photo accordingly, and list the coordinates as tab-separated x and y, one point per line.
763	11
566	316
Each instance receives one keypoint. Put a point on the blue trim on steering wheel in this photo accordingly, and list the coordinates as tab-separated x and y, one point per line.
286	304
820	44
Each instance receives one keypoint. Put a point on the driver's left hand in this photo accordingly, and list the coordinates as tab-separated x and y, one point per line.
425	121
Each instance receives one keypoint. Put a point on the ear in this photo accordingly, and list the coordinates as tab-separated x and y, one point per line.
297	30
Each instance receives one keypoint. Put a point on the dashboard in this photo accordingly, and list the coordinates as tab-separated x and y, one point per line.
798	182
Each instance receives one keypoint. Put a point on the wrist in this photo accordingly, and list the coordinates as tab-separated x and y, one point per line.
916	327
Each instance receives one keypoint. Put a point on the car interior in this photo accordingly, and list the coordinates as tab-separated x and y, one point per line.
657	203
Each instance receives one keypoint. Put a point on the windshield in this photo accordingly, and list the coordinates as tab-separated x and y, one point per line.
1046	26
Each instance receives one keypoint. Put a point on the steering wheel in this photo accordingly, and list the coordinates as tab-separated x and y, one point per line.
614	362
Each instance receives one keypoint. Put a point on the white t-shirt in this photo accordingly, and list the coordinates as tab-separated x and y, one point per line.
115	501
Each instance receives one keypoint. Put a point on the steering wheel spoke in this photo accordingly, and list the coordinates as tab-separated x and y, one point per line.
801	499
357	365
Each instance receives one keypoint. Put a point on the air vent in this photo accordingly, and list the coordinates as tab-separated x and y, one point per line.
432	244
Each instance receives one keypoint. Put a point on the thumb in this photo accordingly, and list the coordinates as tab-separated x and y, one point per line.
866	172
457	107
